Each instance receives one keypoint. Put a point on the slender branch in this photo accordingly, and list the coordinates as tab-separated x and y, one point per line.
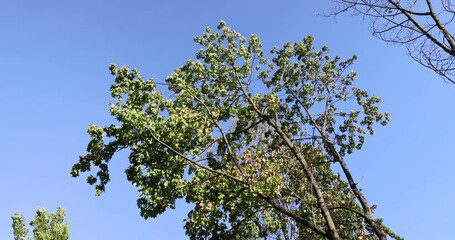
298	218
196	163
443	29
351	210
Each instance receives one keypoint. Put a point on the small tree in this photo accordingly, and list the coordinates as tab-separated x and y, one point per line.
20	231
47	226
421	26
250	142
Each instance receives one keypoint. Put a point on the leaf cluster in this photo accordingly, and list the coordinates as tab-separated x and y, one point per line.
46	226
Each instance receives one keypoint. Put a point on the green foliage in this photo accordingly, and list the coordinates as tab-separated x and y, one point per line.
249	142
19	229
47	226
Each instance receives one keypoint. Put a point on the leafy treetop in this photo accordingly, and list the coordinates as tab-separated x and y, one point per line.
47	226
250	142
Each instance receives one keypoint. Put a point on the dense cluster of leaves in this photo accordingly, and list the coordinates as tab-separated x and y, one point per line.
47	226
248	141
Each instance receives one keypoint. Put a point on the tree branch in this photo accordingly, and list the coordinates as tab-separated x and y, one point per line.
306	167
363	202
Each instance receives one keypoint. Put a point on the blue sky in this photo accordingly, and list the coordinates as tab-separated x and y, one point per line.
54	82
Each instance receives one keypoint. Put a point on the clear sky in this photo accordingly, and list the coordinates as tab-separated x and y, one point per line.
54	82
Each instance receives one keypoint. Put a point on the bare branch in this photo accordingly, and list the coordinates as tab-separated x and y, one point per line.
425	34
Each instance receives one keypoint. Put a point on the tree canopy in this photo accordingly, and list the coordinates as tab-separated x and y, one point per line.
248	138
46	226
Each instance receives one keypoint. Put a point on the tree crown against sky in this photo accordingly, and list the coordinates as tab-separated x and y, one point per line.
249	141
55	84
46	226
